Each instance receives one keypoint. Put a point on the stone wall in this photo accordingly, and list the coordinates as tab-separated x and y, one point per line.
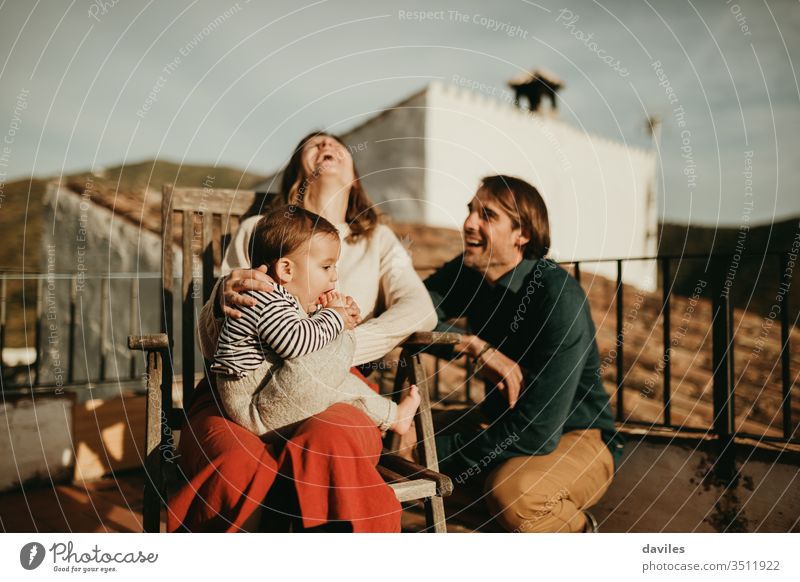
99	248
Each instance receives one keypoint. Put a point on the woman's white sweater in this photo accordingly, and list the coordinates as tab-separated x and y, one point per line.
377	272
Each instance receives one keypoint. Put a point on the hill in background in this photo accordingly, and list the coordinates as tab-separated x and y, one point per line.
21	212
21	222
755	277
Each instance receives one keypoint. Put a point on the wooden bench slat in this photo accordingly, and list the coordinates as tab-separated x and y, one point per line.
429	338
413	490
409	470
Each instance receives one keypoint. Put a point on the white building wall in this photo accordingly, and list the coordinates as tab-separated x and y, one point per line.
389	152
421	161
595	189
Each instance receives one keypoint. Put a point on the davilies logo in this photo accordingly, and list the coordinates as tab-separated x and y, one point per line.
31	555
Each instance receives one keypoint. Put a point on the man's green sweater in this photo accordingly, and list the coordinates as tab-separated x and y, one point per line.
537	315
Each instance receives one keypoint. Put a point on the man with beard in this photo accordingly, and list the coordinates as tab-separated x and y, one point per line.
543	444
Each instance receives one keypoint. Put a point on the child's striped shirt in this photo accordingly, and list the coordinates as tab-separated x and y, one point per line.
274	323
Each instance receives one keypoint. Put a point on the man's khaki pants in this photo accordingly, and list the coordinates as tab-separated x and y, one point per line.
547	493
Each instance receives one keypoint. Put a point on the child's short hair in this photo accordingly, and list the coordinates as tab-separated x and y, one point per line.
283	231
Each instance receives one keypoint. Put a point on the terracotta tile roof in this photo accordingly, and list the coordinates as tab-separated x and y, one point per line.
138	206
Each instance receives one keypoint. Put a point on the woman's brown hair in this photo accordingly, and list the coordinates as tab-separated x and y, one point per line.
524	205
361	215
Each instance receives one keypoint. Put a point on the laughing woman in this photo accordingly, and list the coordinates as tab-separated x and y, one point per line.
328	476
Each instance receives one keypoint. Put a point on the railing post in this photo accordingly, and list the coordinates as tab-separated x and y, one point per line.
39	342
620	361
3	295
722	345
786	377
73	298
134	322
105	290
665	318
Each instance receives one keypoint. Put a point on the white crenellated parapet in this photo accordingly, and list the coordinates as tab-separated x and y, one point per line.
422	159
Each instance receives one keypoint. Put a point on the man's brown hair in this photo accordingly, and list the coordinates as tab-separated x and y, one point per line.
524	205
283	231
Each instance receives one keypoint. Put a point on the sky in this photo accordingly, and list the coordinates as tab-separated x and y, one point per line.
87	84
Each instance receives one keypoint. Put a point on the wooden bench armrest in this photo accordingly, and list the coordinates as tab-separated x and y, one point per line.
411	470
432	338
408	489
146	343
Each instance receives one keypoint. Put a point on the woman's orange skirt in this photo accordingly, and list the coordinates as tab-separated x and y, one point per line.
325	475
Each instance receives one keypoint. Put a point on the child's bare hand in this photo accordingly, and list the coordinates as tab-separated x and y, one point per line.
344	305
331	299
352	309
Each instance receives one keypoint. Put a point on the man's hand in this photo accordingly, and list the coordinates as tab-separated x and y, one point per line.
239	281
504	372
494	366
470	345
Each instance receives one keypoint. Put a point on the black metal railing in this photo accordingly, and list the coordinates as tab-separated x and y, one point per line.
723	340
53	301
723	344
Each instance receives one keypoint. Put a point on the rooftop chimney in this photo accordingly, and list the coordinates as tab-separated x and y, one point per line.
535	85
